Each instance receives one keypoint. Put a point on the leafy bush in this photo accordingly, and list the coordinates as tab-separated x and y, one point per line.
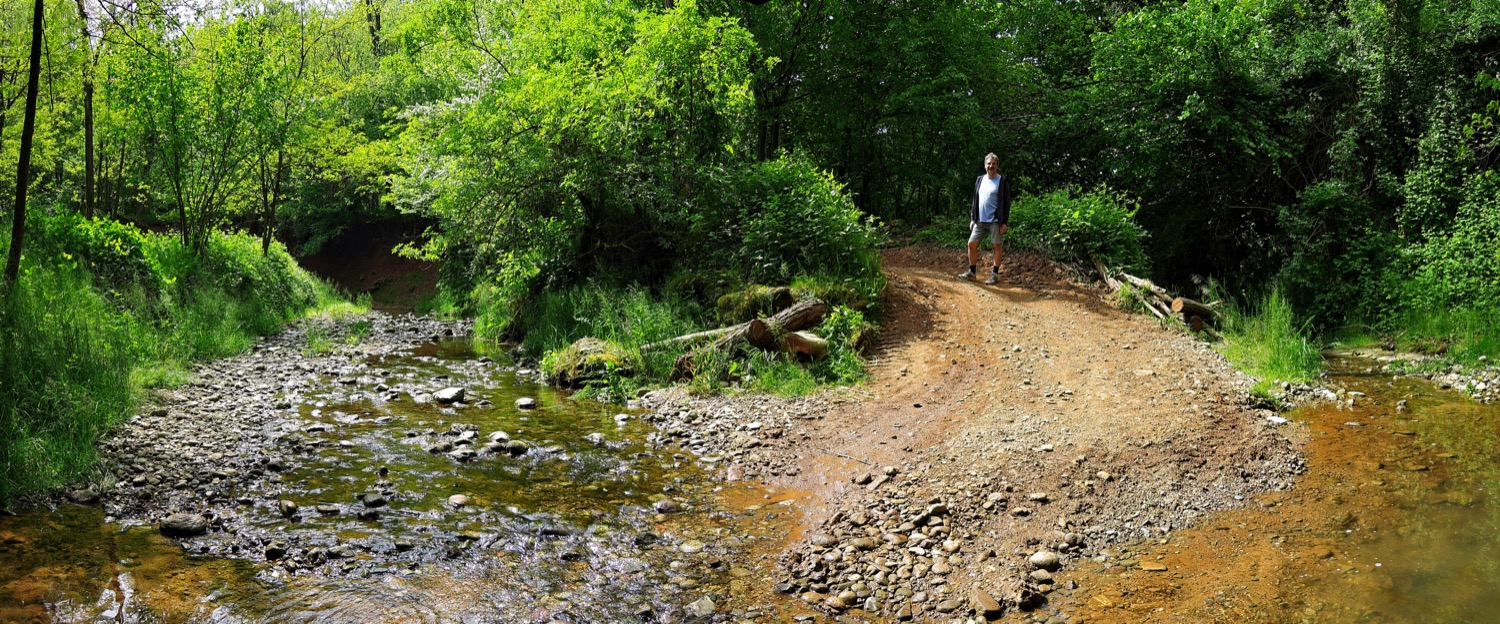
1462	268
112	252
1337	251
1066	224
1078	226
786	218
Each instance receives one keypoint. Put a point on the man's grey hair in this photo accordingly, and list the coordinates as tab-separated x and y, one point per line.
990	155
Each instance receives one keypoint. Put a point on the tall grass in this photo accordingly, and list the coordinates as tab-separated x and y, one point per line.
65	364
1268	341
1462	334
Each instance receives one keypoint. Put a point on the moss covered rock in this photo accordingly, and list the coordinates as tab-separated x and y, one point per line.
754	301
586	360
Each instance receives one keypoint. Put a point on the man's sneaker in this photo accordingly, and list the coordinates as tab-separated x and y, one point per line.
967	275
993	279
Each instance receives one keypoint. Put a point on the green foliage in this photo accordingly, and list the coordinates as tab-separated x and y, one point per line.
1462	266
1463	334
1078	226
753	301
1269	342
785	218
1340	249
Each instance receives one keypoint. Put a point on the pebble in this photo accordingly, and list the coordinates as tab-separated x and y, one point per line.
449	396
458	500
525	403
702	607
983	602
691	547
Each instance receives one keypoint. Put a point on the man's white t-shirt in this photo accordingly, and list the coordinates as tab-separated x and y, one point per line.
989	198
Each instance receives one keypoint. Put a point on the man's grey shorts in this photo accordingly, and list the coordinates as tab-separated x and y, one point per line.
977	234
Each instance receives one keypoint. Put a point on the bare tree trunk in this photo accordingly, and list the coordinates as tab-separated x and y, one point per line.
88	112
23	164
88	148
372	17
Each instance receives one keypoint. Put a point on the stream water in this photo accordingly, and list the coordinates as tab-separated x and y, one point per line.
1395	520
562	528
558	522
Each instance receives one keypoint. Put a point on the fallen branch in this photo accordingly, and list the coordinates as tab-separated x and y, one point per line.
838	454
1111	282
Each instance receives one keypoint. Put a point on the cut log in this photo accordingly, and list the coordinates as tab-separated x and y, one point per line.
804	345
696	337
1189	308
1148	300
802	315
754	332
760	333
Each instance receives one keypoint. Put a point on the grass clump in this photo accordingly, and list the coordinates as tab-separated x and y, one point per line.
1268	342
65	370
1461	335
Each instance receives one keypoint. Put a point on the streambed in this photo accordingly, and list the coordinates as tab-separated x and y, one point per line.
345	485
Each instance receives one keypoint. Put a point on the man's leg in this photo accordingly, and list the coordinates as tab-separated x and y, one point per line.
995	269
974	235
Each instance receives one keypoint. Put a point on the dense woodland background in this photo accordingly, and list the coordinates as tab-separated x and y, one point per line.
1336	161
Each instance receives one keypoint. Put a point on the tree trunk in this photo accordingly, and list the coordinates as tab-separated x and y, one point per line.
760	333
88	148
23	164
372	18
804	314
755	332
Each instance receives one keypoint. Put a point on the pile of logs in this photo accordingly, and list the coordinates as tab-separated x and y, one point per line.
784	331
1200	317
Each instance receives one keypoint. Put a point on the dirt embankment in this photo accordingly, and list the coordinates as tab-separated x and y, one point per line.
1000	422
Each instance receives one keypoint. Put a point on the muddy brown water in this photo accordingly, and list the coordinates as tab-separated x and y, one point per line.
1395	521
563	532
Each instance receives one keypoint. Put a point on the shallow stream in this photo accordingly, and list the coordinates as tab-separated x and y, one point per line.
1395	520
391	506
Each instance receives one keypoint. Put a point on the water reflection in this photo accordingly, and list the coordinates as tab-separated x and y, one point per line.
554	524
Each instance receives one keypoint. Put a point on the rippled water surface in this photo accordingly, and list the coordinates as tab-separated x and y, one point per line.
561	529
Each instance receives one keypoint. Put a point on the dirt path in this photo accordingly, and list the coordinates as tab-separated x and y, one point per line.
999	421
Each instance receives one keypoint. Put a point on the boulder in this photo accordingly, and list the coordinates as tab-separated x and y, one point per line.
182	524
449	396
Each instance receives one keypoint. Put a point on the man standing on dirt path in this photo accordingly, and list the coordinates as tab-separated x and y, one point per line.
989	212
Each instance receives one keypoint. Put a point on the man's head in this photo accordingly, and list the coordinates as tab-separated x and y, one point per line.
991	163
